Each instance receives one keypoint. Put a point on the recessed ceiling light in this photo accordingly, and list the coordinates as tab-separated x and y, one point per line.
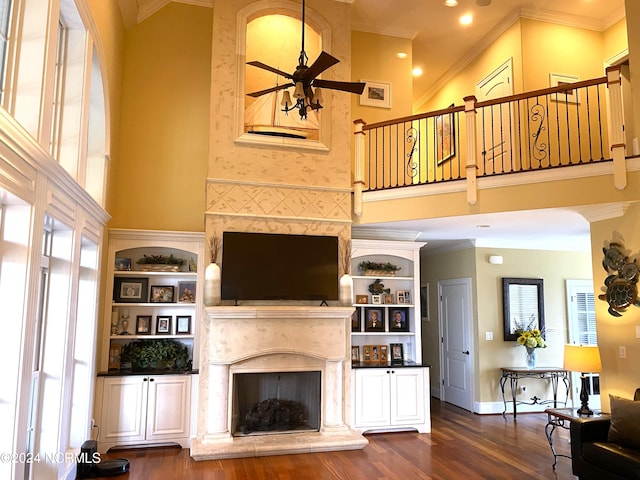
417	71
466	19
401	55
453	3
483	3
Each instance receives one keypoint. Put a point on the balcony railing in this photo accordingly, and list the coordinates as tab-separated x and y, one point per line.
572	124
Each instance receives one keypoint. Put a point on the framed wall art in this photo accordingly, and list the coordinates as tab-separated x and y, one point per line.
445	134
161	294
567	96
187	292
130	290
376	94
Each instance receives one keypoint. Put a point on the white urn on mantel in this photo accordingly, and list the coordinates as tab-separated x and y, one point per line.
345	290
212	275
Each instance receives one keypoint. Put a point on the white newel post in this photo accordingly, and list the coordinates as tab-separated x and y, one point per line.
472	164
616	128
358	173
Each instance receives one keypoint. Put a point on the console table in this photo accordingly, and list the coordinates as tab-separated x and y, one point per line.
513	374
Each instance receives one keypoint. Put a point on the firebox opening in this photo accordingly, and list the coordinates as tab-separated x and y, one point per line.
276	402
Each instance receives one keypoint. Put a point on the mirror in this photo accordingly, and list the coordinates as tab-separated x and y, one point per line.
522	305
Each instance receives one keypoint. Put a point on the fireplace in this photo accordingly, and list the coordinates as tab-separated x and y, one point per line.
276	341
278	402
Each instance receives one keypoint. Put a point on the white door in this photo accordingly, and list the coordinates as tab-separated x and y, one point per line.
494	123
124	409
455	356
407	398
582	331
168	406
372	397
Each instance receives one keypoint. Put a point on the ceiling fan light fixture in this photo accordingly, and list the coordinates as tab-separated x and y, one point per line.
286	100
317	97
298	92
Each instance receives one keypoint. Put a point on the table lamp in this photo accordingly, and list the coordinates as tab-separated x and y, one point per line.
583	359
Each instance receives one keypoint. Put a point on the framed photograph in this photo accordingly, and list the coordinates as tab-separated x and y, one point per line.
130	290
355	354
388	298
397	353
445	134
161	294
568	96
404	297
186	292
122	264
424	302
375	353
143	324
362	299
183	324
399	319
374	320
163	324
356	321
376	94
376	299
366	353
384	354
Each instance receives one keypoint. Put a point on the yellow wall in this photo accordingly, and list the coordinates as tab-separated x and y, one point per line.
158	177
374	58
620	376
615	39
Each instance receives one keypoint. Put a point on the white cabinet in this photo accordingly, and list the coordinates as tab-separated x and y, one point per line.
391	399
138	409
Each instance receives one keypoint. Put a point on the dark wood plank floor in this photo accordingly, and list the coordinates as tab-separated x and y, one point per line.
461	446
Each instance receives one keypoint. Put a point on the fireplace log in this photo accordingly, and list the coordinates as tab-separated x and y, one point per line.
274	415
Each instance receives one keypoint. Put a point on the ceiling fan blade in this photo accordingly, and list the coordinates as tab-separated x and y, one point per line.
264	66
323	62
352	87
269	90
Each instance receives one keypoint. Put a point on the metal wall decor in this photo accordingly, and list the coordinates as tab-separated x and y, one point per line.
621	290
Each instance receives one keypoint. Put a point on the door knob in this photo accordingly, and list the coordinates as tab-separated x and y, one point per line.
466	352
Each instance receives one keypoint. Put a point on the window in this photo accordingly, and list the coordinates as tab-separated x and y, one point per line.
5	17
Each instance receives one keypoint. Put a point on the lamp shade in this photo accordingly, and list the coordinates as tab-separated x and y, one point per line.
582	358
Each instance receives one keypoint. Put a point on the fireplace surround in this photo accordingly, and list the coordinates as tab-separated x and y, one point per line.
267	339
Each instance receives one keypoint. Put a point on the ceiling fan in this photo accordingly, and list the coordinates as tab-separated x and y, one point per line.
307	88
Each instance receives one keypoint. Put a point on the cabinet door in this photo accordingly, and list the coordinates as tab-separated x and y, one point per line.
124	409
372	397
168	407
407	396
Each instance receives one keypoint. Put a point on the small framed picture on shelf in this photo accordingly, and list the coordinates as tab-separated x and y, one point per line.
362	299
162	294
163	324
186	292
376	299
356	321
374	320
399	319
384	354
397	353
404	297
122	264
183	324
388	298
366	353
143	324
355	354
130	290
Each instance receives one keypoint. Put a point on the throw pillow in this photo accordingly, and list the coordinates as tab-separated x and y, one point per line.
625	422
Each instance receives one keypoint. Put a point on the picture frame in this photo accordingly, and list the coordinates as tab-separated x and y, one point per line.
186	292
130	290
522	305
355	354
122	264
376	94
362	299
384	354
404	297
366	353
445	135
376	299
397	353
424	302
143	325
399	319
388	298
183	324
163	324
356	321
569	96
161	294
374	320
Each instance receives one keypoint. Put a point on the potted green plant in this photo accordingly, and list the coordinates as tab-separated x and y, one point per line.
156	355
160	263
378	269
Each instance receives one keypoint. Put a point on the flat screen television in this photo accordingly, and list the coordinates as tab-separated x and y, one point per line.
268	266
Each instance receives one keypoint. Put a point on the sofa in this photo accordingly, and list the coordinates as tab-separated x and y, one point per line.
608	447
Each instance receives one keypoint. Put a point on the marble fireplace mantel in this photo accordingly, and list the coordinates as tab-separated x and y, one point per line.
241	339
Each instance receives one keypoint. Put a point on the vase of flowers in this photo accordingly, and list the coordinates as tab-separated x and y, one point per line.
212	275
531	339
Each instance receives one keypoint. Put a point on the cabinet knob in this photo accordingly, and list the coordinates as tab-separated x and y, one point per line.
151	379
144	379
466	352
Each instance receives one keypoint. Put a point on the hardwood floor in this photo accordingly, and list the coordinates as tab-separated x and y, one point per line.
461	446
